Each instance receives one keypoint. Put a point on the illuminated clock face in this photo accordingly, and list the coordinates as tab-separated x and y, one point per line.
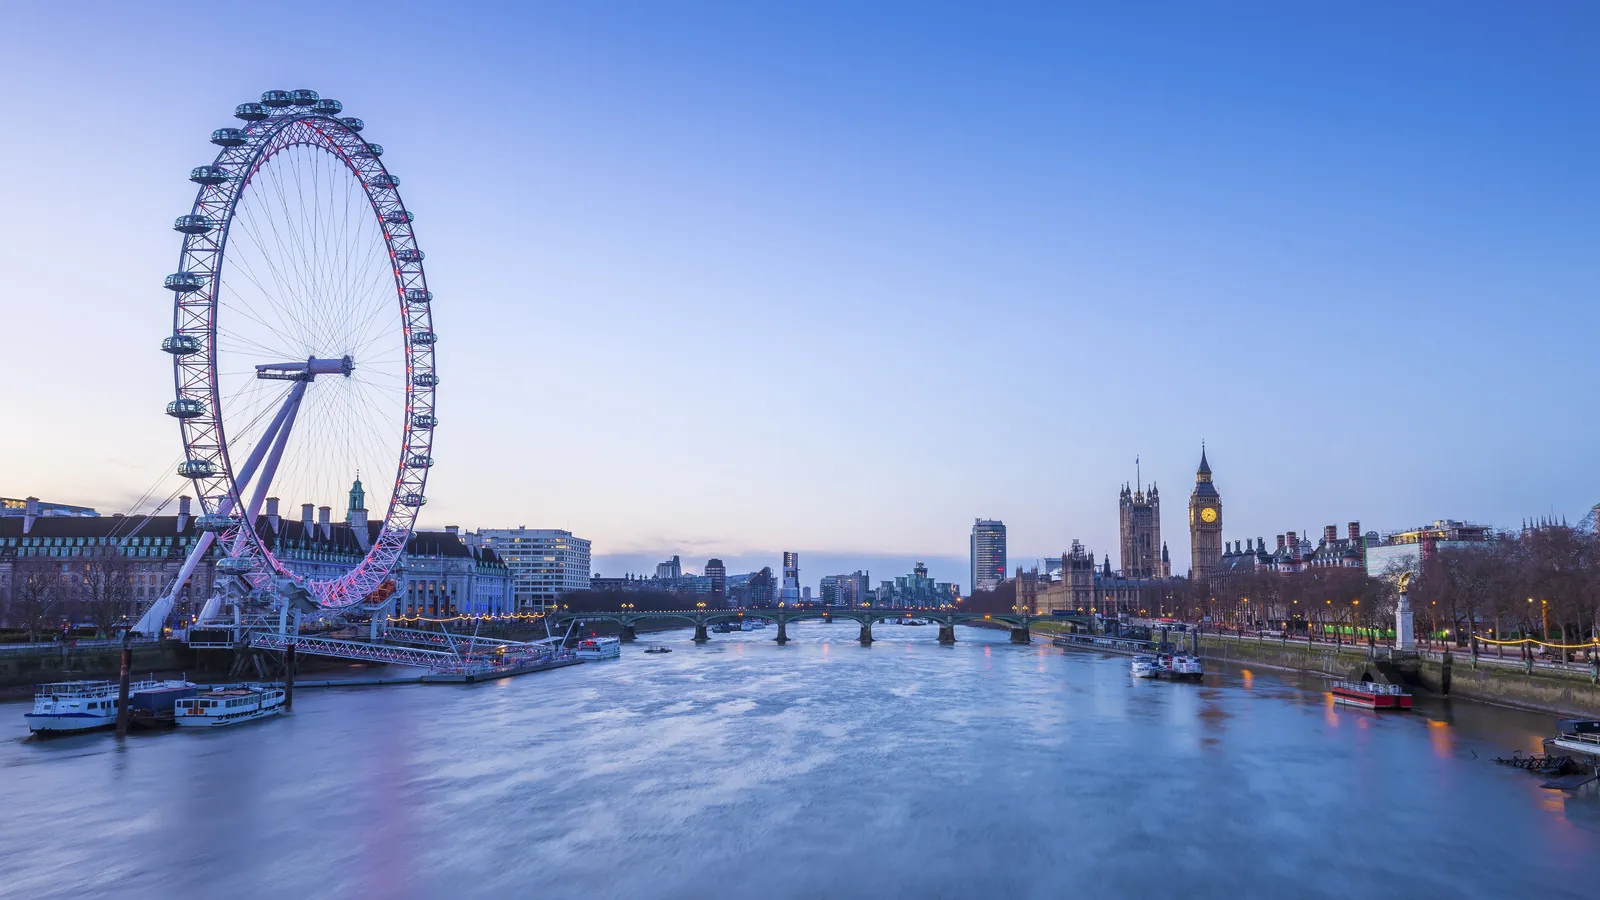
1208	515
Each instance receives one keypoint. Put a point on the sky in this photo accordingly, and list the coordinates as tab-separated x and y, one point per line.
729	278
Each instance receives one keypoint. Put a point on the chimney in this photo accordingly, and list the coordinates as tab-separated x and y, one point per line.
272	514
306	512
1330	533
358	525
1355	533
183	513
1281	544
324	527
452	529
30	511
1294	546
1248	547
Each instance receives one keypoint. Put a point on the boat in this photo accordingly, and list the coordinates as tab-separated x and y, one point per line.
726	627
1188	667
600	648
1371	695
230	706
754	624
155	704
1577	737
657	648
1145	667
72	707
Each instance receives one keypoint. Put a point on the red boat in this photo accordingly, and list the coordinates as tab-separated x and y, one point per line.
1371	695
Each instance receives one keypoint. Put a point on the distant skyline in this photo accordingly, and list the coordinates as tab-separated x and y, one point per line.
724	280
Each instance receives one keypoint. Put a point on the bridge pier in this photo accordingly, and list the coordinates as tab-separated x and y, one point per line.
700	636
947	633
783	631
866	633
629	635
1021	635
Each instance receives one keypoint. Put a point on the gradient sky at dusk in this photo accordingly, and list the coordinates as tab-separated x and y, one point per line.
725	279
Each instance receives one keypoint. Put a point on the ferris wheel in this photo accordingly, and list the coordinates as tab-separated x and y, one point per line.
302	348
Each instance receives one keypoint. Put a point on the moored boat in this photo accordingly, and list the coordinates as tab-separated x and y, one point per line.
1145	667
599	648
229	706
72	707
1186	667
155	704
1576	736
1371	695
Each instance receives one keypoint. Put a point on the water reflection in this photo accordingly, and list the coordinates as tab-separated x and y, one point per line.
742	769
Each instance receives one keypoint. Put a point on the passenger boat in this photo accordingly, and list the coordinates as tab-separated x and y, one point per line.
600	648
658	649
230	706
1576	736
755	624
1371	695
1185	667
70	707
726	627
1145	667
155	705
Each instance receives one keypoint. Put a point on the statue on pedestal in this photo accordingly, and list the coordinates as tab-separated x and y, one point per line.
1404	632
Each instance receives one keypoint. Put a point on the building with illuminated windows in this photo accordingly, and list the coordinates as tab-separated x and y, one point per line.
544	562
988	553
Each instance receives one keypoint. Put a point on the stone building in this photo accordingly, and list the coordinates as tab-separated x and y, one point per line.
1143	553
1205	524
1084	588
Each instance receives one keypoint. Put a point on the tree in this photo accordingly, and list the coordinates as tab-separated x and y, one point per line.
103	583
36	595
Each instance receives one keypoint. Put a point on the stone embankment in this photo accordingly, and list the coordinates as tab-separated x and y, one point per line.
1559	692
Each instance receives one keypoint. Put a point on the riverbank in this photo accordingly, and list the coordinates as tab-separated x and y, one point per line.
1560	693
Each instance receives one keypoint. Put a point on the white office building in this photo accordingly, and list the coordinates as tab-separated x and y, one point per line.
544	562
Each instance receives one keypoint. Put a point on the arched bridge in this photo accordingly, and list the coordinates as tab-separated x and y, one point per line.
702	619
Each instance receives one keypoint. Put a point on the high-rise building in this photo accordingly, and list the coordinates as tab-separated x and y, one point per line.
718	573
544	562
791	578
1143	554
1205	524
671	570
988	553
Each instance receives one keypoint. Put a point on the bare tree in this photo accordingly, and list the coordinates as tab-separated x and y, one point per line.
103	582
37	595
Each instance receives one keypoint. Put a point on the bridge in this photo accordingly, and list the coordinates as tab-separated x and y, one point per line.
947	619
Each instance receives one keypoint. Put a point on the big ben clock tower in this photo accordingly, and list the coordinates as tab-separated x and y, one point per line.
1205	523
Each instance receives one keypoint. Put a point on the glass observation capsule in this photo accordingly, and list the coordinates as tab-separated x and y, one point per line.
250	112
424	420
197	468
209	175
327	107
426	338
228	137
409	255
425	379
419	297
385	180
214	522
181	344
184	282
276	99
303	97
419	461
234	565
400	217
194	224
412	500
353	123
186	408
370	151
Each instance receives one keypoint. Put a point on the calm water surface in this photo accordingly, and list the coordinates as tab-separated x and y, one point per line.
821	769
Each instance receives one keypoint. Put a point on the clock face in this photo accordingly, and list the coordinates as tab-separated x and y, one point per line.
1208	515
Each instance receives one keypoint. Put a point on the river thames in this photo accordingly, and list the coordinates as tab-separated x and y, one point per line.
820	769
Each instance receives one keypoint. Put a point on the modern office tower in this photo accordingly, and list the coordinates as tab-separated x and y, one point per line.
718	573
791	578
544	562
988	553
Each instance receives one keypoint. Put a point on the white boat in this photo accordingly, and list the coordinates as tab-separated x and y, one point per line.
755	624
600	648
69	707
230	706
1186	667
1145	667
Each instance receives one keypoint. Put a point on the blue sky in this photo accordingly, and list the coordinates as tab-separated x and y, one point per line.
842	277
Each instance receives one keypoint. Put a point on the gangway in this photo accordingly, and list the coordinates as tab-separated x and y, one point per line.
358	650
462	642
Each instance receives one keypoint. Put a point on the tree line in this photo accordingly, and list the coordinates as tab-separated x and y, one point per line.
44	594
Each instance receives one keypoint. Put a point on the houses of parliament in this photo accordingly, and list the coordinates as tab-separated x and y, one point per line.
1144	583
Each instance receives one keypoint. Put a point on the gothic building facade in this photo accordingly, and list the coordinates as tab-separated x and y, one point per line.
1205	524
1139	515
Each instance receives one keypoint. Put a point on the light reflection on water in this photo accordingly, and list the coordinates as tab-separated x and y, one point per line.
742	769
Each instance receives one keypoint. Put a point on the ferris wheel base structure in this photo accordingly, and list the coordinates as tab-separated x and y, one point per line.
299	266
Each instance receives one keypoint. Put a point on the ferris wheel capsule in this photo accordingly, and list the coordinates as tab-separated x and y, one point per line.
216	523
419	297
250	112
327	107
194	224
228	137
408	255
303	97
425	421
210	176
353	123
276	99
413	500
186	408
181	344
425	338
400	217
235	565
197	468
425	379
385	181
419	461
370	151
